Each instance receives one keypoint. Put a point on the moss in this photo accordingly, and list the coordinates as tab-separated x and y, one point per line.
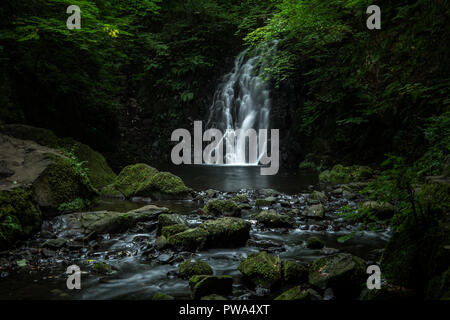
111	191
191	268
19	217
294	272
343	272
166	184
172	230
213	297
165	220
295	293
318	196
60	184
203	285
314	243
133	179
75	205
263	202
102	268
228	232
99	172
222	207
190	240
240	198
261	269
162	296
340	174
271	218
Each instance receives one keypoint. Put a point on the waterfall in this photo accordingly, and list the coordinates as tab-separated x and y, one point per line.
242	101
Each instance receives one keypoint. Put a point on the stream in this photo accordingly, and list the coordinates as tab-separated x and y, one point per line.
140	270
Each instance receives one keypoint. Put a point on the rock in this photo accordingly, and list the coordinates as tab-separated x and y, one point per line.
314	243
164	258
165	220
212	297
99	172
226	232
318	196
340	174
19	217
173	230
222	207
295	293
162	296
269	192
189	240
263	244
382	210
271	219
191	268
265	202
141	180
262	269
328	294
102	268
245	206
211	193
5	172
204	285
162	243
240	198
294	272
100	222
342	272
315	211
55	243
388	292
47	173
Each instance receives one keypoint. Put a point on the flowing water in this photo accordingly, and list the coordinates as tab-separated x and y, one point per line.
242	102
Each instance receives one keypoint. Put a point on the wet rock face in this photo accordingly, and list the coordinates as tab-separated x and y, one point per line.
343	272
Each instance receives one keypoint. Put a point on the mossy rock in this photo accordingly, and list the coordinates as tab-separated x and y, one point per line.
162	296
204	285
190	240
61	184
318	196
315	211
19	217
262	269
170	219
173	230
228	232
314	243
213	297
132	179
190	268
266	202
240	198
102	268
295	272
222	207
417	254
272	219
99	172
295	293
342	272
165	185
340	174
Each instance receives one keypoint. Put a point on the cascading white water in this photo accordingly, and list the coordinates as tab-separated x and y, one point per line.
242	100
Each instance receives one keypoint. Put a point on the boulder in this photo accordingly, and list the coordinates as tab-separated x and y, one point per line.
204	285
270	218
262	269
295	272
170	219
145	181
190	240
226	232
190	268
222	207
99	172
314	243
315	211
343	272
54	179
173	230
85	223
